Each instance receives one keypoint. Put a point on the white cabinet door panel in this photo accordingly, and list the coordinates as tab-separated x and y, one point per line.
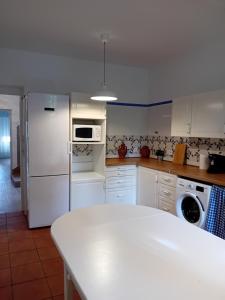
48	134
208	115
123	196
181	117
48	199
147	187
86	194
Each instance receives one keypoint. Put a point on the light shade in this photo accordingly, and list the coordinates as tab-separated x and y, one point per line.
104	95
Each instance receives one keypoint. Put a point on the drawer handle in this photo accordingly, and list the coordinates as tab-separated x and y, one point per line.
119	181
167	179
119	196
166	193
165	209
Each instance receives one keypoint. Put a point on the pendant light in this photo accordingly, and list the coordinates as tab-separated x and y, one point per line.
104	94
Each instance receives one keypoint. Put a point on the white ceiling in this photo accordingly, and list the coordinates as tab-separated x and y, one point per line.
143	32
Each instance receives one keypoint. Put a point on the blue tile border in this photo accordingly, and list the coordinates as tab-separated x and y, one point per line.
139	104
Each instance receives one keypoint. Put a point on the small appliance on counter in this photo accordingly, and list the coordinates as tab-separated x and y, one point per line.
216	163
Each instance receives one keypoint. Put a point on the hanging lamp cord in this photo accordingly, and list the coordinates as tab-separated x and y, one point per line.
104	44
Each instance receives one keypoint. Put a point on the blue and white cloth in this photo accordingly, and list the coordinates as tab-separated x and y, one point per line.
215	219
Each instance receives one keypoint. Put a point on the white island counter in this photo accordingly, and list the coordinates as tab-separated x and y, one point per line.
122	252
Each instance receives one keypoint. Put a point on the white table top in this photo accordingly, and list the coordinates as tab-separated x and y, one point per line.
122	252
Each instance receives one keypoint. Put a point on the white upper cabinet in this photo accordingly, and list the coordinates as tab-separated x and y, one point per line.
181	117
84	108
208	115
200	115
159	120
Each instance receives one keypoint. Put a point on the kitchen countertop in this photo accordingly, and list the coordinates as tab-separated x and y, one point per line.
169	167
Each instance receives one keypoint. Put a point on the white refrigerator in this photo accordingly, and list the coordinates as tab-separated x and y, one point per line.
47	158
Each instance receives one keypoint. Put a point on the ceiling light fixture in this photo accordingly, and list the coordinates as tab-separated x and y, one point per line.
104	94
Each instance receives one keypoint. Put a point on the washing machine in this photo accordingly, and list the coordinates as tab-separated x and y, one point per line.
192	199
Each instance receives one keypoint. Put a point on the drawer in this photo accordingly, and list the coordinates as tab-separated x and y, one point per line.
121	171
167	192
167	206
120	181
123	196
167	179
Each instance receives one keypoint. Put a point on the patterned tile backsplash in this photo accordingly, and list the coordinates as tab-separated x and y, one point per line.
166	143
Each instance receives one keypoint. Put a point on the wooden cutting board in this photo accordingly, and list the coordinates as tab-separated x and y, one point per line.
179	154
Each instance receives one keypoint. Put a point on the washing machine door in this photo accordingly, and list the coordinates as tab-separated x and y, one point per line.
190	208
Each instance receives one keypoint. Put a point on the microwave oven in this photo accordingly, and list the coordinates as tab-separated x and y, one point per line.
87	133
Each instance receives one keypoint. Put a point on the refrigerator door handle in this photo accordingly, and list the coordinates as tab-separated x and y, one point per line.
69	147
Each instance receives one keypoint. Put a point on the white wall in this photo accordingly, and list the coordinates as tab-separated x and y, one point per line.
12	103
48	73
198	72
122	120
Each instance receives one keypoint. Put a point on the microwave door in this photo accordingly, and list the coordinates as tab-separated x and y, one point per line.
83	133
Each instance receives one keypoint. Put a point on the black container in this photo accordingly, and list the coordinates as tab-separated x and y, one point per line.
216	163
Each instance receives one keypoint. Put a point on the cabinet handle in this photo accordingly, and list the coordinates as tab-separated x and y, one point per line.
119	181
165	209
224	128
167	179
166	193
188	128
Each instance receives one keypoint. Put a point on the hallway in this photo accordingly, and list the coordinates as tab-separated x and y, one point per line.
10	197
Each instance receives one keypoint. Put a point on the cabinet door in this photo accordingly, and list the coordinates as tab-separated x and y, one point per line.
208	115
159	120
121	196
181	116
86	194
147	187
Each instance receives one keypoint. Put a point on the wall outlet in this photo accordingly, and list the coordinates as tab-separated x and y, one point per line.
169	152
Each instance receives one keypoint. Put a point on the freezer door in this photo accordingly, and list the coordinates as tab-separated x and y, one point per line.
48	134
48	199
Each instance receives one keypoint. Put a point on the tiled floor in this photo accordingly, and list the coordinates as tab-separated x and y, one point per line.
30	265
10	197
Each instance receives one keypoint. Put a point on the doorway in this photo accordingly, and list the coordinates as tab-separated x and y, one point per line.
10	191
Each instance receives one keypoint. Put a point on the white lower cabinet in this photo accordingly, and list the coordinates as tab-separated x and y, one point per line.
156	189
167	192
147	187
86	194
121	184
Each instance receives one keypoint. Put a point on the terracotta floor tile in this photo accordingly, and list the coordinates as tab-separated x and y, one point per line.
22	258
4	262
2	221
43	242
59	297
4	248
41	233
3	228
47	253
15	227
14	214
17	220
32	290
27	272
21	245
6	293
56	284
5	277
3	237
20	234
52	266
